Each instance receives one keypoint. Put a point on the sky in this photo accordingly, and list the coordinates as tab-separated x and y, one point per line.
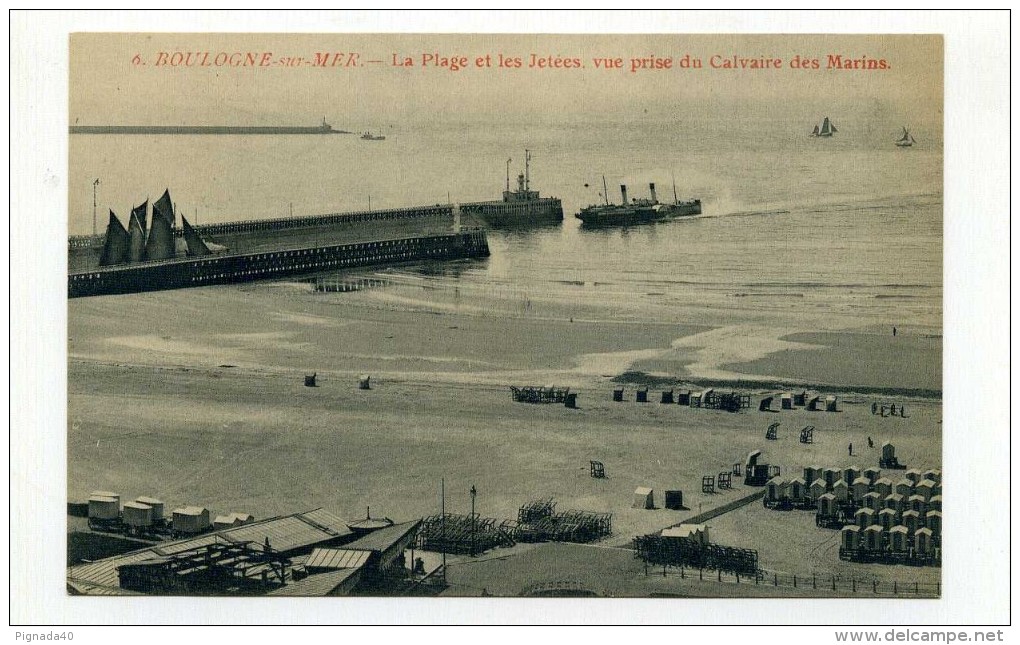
110	86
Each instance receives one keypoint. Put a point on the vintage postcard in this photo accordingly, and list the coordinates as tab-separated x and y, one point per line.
451	316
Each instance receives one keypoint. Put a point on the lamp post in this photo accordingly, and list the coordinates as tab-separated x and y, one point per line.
474	492
95	185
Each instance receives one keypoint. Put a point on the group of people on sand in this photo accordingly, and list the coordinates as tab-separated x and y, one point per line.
850	448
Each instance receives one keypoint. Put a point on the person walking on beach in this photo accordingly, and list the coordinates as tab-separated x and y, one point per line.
894	332
850	449
871	444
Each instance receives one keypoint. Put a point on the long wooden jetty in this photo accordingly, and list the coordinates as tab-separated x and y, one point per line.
245	267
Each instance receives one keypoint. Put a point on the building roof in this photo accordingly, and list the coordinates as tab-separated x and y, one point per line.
82	588
285	533
318	585
383	539
190	510
642	490
683	530
325	558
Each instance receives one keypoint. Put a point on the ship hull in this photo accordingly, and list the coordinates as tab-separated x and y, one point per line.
626	216
542	211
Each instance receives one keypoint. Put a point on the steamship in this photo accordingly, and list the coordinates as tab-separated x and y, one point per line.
521	207
637	211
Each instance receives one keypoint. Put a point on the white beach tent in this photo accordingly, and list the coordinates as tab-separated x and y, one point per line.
644	497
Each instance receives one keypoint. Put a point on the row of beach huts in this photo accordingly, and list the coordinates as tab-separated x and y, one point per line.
880	520
146	516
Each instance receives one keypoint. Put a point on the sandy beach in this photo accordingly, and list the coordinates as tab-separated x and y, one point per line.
197	397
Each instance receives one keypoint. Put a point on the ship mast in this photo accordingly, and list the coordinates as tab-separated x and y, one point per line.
605	190
508	174
527	161
675	199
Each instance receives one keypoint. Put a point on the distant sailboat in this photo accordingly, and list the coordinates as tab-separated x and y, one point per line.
906	140
827	129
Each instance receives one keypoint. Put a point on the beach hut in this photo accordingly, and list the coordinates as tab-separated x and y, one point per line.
157	507
830	404
800	398
883	487
102	507
899	539
811	473
365	382
873	538
925	488
644	498
936	489
674	500
904	487
914	475
817	488
774	489
786	400
911	520
933	474
683	397
642	395
851	536
226	521
864	517
618	394
917	503
137	515
831	476
887	518
191	519
859	488
106	493
667	396
896	502
935	503
841	491
813	403
872	500
850	474
933	521
888	458
923	541
827	504
797	489
873	474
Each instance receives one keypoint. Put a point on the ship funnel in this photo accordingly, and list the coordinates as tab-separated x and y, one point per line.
651	187
623	191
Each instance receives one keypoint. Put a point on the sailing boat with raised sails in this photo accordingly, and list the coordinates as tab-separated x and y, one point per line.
906	140
827	129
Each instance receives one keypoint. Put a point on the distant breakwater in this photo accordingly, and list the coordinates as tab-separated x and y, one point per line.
201	129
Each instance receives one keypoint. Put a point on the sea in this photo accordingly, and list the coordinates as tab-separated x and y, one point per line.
798	232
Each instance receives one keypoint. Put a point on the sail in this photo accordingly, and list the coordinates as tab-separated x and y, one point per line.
906	136
164	208
826	127
142	212
814	133
136	229
115	248
196	246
